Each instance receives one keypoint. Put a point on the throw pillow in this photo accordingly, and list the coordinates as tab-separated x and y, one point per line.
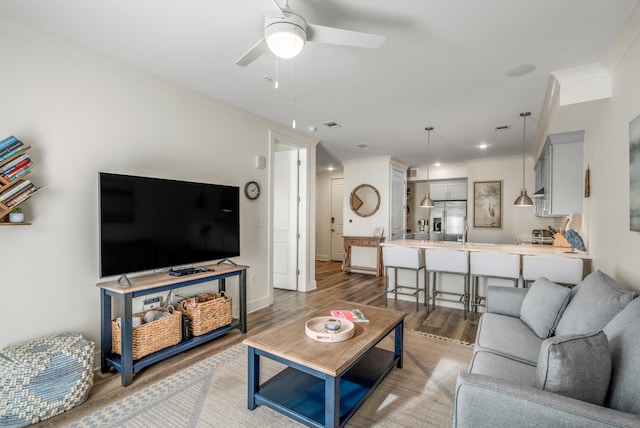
576	366
543	306
598	299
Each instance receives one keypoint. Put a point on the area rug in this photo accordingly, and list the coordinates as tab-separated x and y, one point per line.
213	392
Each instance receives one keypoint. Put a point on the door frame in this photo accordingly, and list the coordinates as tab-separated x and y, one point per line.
306	219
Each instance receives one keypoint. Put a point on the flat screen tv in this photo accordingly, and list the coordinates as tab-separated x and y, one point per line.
152	223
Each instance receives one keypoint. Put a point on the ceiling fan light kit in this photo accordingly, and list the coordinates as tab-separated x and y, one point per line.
286	32
285	36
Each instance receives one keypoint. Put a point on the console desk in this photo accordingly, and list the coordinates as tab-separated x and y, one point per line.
362	241
156	283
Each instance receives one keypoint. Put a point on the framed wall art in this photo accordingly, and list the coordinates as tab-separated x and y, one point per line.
487	204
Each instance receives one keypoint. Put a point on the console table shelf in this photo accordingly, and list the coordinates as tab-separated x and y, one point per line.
155	283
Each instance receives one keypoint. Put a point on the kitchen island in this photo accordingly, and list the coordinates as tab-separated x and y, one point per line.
450	283
521	249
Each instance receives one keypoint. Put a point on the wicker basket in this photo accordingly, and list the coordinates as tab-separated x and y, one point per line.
150	337
210	315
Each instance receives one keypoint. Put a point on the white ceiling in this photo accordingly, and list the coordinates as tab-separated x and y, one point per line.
443	64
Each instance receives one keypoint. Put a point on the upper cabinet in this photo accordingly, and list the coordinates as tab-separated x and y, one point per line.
559	180
448	190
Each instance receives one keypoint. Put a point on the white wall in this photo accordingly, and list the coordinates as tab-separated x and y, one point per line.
614	248
82	114
373	171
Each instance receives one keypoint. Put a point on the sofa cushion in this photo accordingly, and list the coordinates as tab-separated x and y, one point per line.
508	336
597	300
543	306
576	366
490	364
623	333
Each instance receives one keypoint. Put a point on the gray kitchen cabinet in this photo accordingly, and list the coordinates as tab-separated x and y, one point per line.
559	171
448	190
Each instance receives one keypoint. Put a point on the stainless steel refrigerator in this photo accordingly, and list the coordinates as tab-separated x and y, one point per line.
447	220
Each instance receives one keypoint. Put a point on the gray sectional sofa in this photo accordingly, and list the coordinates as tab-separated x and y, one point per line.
554	357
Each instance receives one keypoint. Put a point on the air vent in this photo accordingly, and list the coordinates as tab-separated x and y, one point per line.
362	146
332	124
413	172
499	128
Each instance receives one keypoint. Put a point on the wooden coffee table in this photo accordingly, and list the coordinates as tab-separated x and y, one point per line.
323	383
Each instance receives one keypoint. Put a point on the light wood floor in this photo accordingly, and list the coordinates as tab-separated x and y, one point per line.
332	285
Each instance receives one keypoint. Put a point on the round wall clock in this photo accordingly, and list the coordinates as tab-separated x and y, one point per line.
252	190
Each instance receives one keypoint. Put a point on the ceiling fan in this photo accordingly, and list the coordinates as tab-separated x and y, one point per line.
287	31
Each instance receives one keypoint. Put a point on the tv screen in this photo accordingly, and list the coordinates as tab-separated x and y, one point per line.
151	223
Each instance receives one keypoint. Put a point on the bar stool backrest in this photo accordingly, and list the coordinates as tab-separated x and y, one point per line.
559	269
494	264
447	260
403	257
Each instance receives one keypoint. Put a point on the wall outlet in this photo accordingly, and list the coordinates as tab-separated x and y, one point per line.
151	303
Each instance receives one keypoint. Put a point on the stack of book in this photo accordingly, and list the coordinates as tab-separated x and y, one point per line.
16	168
9	147
18	193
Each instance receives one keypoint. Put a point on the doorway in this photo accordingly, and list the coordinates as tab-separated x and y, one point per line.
337	202
288	222
398	219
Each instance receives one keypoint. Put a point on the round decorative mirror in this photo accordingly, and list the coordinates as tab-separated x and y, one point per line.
365	200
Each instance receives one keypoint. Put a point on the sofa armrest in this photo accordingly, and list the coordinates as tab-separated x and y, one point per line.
483	401
505	300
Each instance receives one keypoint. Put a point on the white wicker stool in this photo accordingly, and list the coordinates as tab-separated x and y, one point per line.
42	378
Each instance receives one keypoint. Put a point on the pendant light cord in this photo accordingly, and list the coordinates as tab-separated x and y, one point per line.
428	129
524	136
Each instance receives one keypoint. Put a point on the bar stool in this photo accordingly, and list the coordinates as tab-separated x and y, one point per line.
444	260
491	264
559	269
409	259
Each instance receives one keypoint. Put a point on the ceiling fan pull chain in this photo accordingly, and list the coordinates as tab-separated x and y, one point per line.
276	84
294	92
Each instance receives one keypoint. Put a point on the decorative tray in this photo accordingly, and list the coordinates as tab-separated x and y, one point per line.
315	329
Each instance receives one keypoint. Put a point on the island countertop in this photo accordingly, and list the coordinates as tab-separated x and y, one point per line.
522	249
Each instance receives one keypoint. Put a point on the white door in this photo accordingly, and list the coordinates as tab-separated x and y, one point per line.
398	203
337	202
285	219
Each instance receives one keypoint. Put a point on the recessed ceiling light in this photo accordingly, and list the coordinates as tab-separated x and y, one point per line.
437	163
362	146
483	146
331	124
520	70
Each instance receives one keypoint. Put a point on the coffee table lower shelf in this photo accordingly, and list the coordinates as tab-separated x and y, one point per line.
301	392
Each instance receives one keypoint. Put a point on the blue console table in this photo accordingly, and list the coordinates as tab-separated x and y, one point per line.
155	283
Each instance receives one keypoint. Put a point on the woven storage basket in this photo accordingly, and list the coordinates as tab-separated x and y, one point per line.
210	315
150	337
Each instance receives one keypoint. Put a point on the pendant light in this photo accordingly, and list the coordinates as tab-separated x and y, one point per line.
427	202
523	200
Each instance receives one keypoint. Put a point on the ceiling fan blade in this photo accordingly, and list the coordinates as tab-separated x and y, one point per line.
254	53
337	36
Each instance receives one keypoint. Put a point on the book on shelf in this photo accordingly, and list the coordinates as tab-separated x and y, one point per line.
14	163
18	199
17	188
11	153
353	315
18	171
11	148
7	141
